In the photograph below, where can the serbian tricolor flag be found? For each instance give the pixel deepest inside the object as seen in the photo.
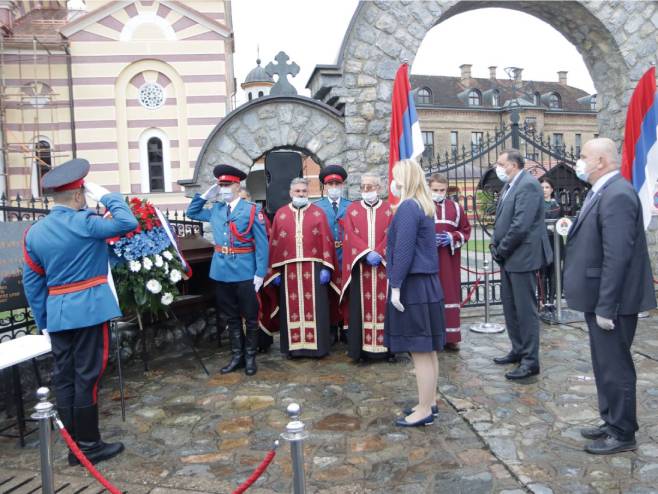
(406, 141)
(639, 163)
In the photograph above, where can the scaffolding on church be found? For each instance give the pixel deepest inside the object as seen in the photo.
(30, 127)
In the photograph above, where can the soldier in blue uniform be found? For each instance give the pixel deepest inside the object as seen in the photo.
(66, 282)
(239, 263)
(334, 205)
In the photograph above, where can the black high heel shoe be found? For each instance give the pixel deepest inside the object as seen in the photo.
(402, 422)
(409, 411)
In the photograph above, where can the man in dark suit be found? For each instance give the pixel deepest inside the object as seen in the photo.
(608, 276)
(520, 246)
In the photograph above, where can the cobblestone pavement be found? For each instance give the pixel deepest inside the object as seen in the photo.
(186, 432)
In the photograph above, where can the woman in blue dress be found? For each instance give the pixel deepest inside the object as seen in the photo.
(415, 320)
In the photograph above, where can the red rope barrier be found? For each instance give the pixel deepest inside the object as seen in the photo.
(257, 473)
(470, 293)
(479, 273)
(83, 459)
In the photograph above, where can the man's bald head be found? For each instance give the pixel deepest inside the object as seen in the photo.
(601, 157)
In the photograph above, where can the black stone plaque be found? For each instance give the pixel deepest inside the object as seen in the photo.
(11, 265)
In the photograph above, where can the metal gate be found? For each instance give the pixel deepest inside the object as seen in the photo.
(474, 184)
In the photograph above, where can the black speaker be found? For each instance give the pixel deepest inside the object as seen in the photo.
(280, 168)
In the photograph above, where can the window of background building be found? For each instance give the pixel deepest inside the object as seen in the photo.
(596, 136)
(476, 142)
(592, 102)
(558, 141)
(531, 124)
(474, 98)
(495, 98)
(428, 141)
(156, 165)
(260, 93)
(249, 96)
(536, 99)
(578, 144)
(42, 165)
(454, 142)
(424, 96)
(554, 101)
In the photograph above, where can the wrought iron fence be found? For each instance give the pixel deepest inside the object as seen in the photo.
(474, 185)
(19, 322)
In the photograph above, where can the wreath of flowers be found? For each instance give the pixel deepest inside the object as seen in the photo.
(147, 267)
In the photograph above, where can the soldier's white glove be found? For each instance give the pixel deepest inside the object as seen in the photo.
(604, 323)
(95, 191)
(258, 282)
(395, 299)
(211, 193)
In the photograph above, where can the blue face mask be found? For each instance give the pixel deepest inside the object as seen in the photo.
(225, 194)
(299, 202)
(500, 173)
(581, 170)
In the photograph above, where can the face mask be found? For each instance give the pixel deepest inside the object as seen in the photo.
(334, 193)
(370, 197)
(226, 194)
(581, 170)
(436, 197)
(395, 189)
(500, 173)
(299, 202)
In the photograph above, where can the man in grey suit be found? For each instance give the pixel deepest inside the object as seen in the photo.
(520, 246)
(607, 275)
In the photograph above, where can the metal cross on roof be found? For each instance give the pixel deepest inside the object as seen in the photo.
(282, 69)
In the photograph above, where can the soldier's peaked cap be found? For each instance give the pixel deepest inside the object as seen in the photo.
(333, 172)
(67, 176)
(228, 173)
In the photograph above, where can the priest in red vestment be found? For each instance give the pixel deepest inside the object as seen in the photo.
(364, 271)
(452, 231)
(303, 264)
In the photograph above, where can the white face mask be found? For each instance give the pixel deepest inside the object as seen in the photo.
(581, 170)
(500, 173)
(226, 194)
(299, 202)
(370, 197)
(334, 193)
(395, 189)
(436, 197)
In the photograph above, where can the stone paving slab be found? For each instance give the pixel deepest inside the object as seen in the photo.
(186, 432)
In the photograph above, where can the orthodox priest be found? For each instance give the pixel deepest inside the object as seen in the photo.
(364, 271)
(334, 204)
(452, 231)
(303, 264)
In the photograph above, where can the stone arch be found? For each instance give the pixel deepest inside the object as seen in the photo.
(617, 41)
(266, 124)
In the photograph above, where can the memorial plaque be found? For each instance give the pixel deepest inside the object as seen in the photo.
(12, 296)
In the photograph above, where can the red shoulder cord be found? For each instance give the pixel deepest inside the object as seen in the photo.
(34, 266)
(242, 236)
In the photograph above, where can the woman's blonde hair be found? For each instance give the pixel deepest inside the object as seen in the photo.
(410, 177)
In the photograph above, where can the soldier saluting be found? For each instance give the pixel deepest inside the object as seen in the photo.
(66, 281)
(239, 263)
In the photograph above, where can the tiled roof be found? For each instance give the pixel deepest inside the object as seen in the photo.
(453, 92)
(42, 23)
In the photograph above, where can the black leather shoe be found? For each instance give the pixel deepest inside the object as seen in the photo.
(594, 432)
(402, 422)
(89, 439)
(609, 445)
(510, 358)
(237, 362)
(521, 372)
(409, 411)
(250, 365)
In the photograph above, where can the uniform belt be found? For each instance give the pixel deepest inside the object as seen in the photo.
(77, 286)
(338, 244)
(224, 249)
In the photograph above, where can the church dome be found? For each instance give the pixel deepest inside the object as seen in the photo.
(258, 74)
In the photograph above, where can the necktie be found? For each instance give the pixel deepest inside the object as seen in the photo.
(335, 206)
(505, 191)
(587, 198)
(228, 212)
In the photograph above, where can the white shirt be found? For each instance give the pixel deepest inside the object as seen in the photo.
(602, 181)
(511, 184)
(234, 203)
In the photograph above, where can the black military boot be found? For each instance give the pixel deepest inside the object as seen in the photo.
(251, 348)
(88, 436)
(237, 359)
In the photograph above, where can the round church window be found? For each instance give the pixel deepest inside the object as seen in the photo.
(151, 95)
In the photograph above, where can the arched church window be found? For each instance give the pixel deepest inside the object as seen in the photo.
(155, 165)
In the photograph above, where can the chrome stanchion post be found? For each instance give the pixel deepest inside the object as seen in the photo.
(486, 326)
(295, 435)
(44, 410)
